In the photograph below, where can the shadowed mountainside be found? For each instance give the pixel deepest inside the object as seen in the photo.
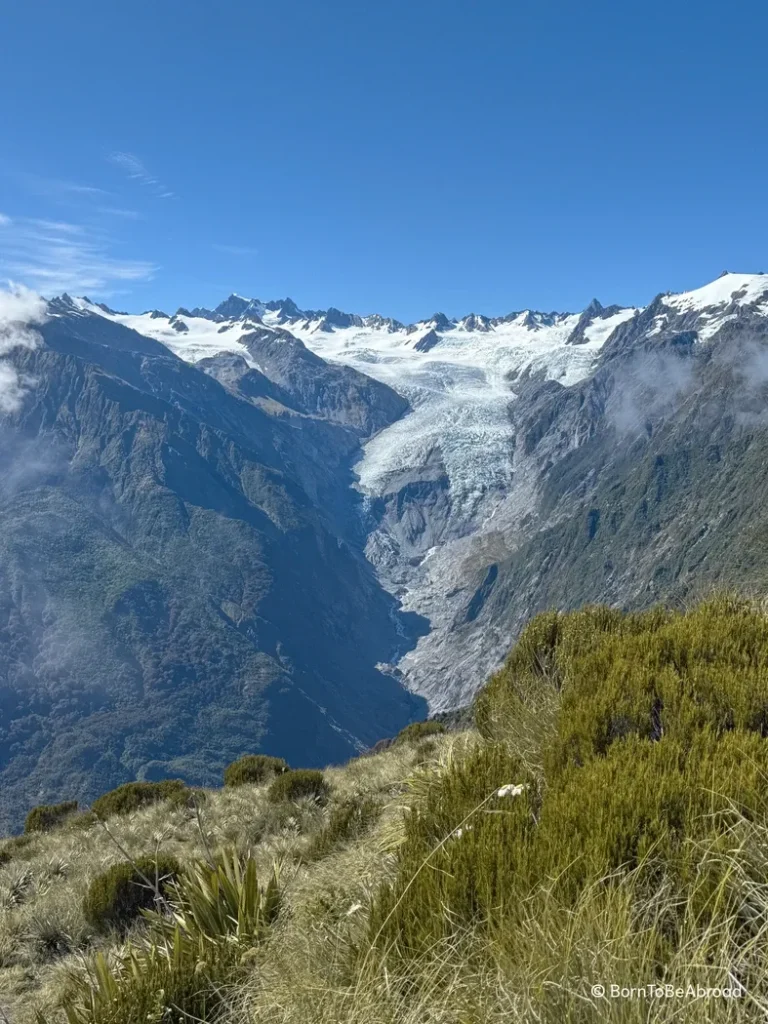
(179, 578)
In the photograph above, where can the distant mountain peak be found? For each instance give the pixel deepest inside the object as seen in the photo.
(285, 306)
(233, 307)
(441, 322)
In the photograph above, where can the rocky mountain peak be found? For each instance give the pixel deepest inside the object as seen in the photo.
(441, 322)
(232, 307)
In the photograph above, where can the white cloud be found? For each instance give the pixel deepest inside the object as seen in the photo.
(40, 185)
(20, 309)
(4, 220)
(136, 171)
(116, 211)
(58, 226)
(19, 305)
(54, 257)
(648, 385)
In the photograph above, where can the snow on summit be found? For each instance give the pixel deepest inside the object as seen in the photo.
(458, 375)
(191, 338)
(718, 302)
(456, 444)
(743, 289)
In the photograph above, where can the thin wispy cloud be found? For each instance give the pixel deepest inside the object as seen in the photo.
(236, 250)
(58, 226)
(54, 257)
(116, 211)
(137, 172)
(41, 185)
(4, 220)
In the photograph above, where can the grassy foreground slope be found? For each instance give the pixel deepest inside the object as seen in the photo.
(605, 823)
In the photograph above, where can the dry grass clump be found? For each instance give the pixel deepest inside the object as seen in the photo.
(607, 825)
(44, 936)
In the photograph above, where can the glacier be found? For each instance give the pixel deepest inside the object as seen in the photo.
(447, 491)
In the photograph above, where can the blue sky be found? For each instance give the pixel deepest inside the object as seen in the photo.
(402, 157)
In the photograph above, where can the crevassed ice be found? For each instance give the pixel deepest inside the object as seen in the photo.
(460, 393)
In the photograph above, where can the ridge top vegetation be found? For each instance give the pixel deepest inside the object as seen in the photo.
(603, 822)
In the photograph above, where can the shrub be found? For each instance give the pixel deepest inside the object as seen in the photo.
(253, 768)
(648, 804)
(186, 964)
(116, 897)
(349, 820)
(646, 736)
(133, 795)
(46, 816)
(81, 821)
(302, 782)
(540, 662)
(446, 877)
(672, 676)
(418, 731)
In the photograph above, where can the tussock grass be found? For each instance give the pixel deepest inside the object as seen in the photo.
(606, 824)
(44, 936)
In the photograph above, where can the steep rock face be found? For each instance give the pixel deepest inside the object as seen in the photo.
(340, 394)
(176, 583)
(645, 482)
(512, 432)
(507, 465)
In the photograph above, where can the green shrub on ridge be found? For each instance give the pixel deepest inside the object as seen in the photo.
(462, 848)
(418, 731)
(253, 768)
(133, 795)
(47, 816)
(298, 784)
(645, 736)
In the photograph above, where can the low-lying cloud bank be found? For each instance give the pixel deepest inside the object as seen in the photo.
(20, 310)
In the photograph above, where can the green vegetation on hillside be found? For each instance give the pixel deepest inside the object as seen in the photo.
(419, 731)
(301, 783)
(605, 823)
(116, 897)
(133, 795)
(47, 816)
(253, 768)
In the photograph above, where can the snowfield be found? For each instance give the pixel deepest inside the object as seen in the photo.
(457, 375)
(459, 391)
(456, 443)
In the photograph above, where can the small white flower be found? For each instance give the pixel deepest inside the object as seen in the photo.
(511, 790)
(460, 831)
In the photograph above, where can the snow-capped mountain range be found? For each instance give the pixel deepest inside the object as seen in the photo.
(261, 528)
(449, 484)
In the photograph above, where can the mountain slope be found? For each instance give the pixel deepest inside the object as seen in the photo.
(495, 497)
(643, 482)
(176, 586)
(280, 519)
